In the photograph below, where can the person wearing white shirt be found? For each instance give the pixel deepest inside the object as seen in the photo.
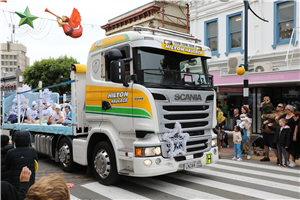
(57, 116)
(31, 114)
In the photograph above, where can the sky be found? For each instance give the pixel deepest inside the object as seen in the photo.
(47, 39)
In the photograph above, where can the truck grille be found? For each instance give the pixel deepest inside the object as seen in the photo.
(187, 125)
(194, 120)
(185, 108)
(194, 115)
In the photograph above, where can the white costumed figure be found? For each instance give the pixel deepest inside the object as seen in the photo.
(14, 108)
(176, 141)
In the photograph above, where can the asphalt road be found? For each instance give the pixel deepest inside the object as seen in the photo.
(249, 179)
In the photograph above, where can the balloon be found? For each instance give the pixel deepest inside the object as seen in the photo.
(240, 70)
(26, 17)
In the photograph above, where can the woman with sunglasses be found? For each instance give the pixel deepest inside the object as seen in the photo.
(289, 116)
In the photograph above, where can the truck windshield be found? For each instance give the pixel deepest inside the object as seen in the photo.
(167, 69)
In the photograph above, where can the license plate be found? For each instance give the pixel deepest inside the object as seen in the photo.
(190, 165)
(208, 158)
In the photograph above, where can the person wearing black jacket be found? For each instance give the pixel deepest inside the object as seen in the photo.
(282, 139)
(9, 192)
(17, 158)
(5, 147)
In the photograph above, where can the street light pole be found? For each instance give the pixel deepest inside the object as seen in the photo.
(245, 65)
(246, 85)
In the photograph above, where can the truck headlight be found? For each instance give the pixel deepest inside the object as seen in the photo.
(214, 142)
(147, 151)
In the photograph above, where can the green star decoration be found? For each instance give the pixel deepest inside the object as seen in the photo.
(26, 17)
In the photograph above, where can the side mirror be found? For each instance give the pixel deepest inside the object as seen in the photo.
(117, 66)
(114, 54)
(117, 71)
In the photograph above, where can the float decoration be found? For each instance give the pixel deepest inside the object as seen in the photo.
(26, 17)
(47, 96)
(176, 141)
(71, 26)
(14, 107)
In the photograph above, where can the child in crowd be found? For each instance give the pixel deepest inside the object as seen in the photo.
(266, 107)
(5, 147)
(282, 139)
(19, 157)
(237, 139)
(52, 186)
(245, 120)
(225, 135)
(31, 114)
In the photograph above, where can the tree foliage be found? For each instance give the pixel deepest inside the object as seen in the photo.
(50, 71)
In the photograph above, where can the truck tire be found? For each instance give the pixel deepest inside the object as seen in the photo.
(104, 164)
(65, 155)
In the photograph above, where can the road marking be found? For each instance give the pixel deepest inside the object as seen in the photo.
(228, 187)
(73, 197)
(173, 189)
(260, 166)
(247, 179)
(112, 192)
(256, 172)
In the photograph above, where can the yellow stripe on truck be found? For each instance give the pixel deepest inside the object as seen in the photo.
(109, 41)
(118, 97)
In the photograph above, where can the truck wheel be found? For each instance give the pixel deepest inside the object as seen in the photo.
(104, 164)
(65, 155)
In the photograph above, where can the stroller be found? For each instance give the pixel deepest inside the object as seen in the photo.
(258, 146)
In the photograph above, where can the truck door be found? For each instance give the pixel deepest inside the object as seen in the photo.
(118, 97)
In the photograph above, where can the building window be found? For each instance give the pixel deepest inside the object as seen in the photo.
(211, 36)
(11, 57)
(234, 36)
(6, 62)
(6, 56)
(6, 69)
(15, 63)
(15, 57)
(11, 69)
(2, 56)
(284, 22)
(11, 63)
(2, 62)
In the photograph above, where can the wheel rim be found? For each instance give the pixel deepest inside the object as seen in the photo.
(102, 163)
(64, 154)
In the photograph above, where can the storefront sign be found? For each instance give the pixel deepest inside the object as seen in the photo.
(272, 77)
(230, 89)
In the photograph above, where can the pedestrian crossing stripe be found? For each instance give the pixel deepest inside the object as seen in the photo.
(193, 183)
(256, 172)
(229, 187)
(182, 192)
(247, 179)
(292, 171)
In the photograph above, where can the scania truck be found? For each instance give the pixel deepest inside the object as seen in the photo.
(144, 105)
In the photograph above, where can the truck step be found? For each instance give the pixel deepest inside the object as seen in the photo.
(126, 172)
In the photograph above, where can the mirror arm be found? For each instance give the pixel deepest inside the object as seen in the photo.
(127, 59)
(125, 84)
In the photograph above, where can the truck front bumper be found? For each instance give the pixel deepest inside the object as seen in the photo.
(160, 165)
